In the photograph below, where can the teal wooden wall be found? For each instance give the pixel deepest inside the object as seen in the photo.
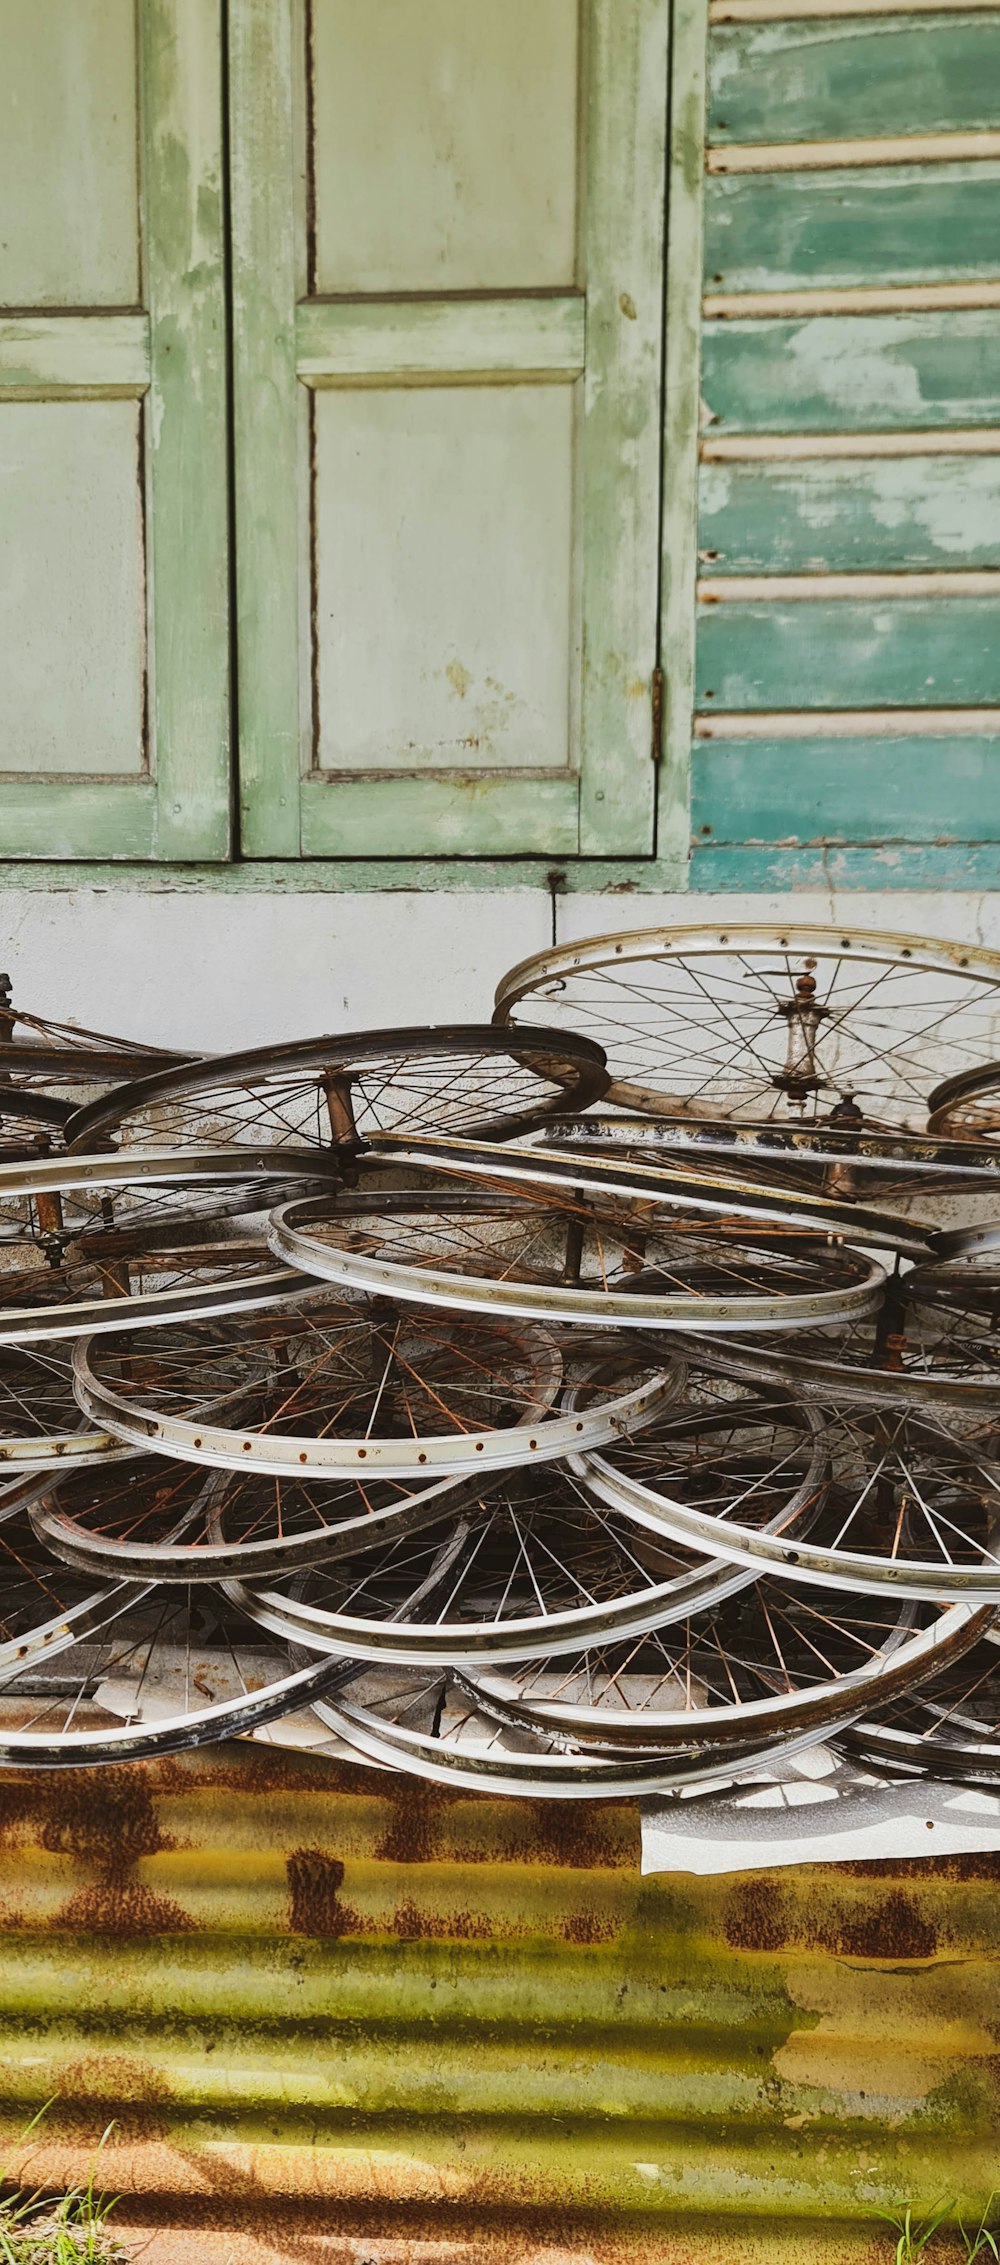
(847, 671)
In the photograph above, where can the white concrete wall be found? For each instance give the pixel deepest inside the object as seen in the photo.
(216, 971)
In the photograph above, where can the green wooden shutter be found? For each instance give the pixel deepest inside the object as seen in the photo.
(114, 660)
(447, 330)
(847, 676)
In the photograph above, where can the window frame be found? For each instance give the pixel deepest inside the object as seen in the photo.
(286, 346)
(169, 356)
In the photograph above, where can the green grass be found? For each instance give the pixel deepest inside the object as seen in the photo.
(72, 2230)
(914, 2235)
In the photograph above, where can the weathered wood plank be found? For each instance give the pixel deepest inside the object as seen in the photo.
(443, 526)
(339, 341)
(439, 817)
(852, 151)
(444, 145)
(106, 356)
(268, 270)
(802, 448)
(837, 653)
(772, 724)
(854, 299)
(741, 870)
(779, 232)
(850, 515)
(790, 82)
(68, 174)
(78, 818)
(811, 791)
(72, 571)
(625, 141)
(853, 373)
(681, 418)
(181, 81)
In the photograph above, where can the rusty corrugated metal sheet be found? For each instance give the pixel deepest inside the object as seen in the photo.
(363, 1994)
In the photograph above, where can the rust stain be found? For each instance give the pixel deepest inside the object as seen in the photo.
(459, 678)
(314, 1883)
(581, 1836)
(585, 1927)
(105, 1817)
(983, 1864)
(892, 1928)
(411, 1835)
(411, 1925)
(117, 1905)
(110, 1821)
(757, 1915)
(760, 1915)
(137, 2093)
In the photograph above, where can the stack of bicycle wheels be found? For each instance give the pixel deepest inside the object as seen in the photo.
(601, 1401)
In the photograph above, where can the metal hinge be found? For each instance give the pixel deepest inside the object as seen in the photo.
(656, 747)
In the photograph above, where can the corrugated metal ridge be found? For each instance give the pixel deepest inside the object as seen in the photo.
(285, 1979)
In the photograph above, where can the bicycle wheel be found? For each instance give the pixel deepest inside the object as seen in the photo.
(949, 1728)
(753, 1201)
(335, 1092)
(967, 1106)
(65, 1053)
(916, 1508)
(173, 1235)
(328, 1384)
(38, 1307)
(767, 1660)
(154, 1671)
(469, 1240)
(41, 1428)
(794, 1156)
(422, 1722)
(534, 1565)
(158, 1521)
(913, 1354)
(754, 1022)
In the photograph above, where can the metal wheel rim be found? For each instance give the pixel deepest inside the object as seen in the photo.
(300, 1619)
(429, 1286)
(574, 1064)
(293, 1453)
(96, 1315)
(58, 1175)
(819, 1707)
(466, 1645)
(746, 1144)
(833, 1383)
(618, 1175)
(595, 953)
(232, 1718)
(542, 1777)
(796, 1558)
(220, 1560)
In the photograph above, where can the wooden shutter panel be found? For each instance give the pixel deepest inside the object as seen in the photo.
(447, 288)
(114, 668)
(847, 678)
